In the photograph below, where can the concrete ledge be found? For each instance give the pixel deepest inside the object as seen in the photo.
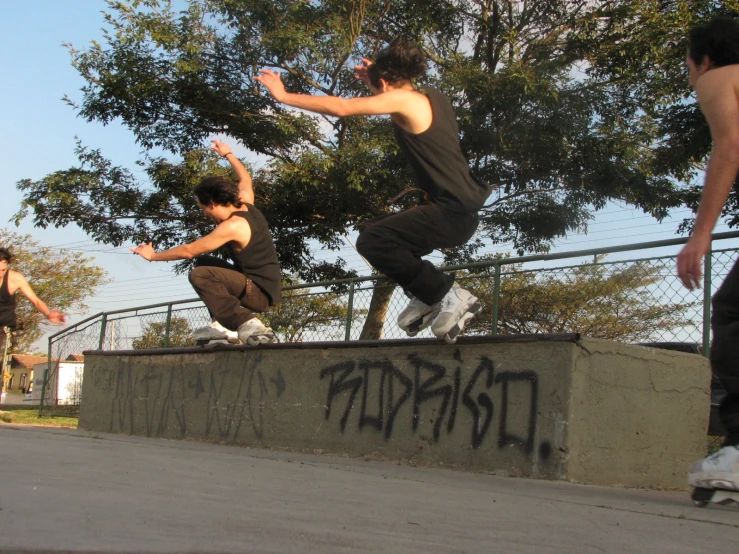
(547, 406)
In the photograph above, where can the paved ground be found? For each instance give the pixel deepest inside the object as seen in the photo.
(68, 490)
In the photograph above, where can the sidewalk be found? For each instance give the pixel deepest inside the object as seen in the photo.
(69, 490)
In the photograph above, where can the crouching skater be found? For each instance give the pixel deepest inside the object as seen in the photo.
(232, 292)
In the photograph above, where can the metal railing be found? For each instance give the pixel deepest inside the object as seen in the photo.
(590, 295)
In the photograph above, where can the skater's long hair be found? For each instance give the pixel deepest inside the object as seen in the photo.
(718, 39)
(5, 255)
(218, 191)
(400, 62)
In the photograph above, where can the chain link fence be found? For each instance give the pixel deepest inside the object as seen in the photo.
(634, 301)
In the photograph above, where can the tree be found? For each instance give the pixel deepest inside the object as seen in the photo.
(59, 277)
(382, 293)
(562, 104)
(636, 51)
(301, 312)
(180, 334)
(590, 299)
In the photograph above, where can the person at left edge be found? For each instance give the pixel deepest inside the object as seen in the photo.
(233, 293)
(13, 282)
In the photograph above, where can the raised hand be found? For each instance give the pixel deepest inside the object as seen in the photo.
(221, 147)
(361, 72)
(273, 81)
(145, 250)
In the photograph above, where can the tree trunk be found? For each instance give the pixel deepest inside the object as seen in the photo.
(379, 304)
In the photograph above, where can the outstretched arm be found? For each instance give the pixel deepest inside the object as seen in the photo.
(52, 315)
(246, 190)
(719, 104)
(226, 231)
(387, 103)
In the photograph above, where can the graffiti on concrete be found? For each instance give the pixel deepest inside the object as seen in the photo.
(233, 398)
(431, 385)
(172, 396)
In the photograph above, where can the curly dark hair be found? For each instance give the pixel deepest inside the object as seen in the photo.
(399, 62)
(5, 255)
(219, 191)
(718, 39)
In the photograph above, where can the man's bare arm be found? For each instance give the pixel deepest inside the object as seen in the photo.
(391, 102)
(22, 285)
(718, 101)
(229, 230)
(246, 190)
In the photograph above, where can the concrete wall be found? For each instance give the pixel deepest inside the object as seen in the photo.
(556, 407)
(639, 416)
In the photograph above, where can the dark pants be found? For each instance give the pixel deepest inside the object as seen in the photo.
(725, 351)
(394, 246)
(229, 295)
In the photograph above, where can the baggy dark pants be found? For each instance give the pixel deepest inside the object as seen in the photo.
(230, 296)
(725, 351)
(394, 246)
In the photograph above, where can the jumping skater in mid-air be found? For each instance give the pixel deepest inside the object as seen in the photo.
(426, 129)
(231, 292)
(713, 65)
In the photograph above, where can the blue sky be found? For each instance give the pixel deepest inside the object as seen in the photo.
(38, 138)
(39, 130)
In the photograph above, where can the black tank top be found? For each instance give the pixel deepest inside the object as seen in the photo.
(258, 260)
(439, 166)
(7, 303)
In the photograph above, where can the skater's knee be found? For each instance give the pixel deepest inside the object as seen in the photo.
(199, 275)
(364, 243)
(371, 241)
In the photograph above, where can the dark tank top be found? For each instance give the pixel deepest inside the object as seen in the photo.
(7, 303)
(258, 260)
(439, 167)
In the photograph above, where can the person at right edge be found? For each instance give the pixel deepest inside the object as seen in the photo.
(426, 130)
(713, 65)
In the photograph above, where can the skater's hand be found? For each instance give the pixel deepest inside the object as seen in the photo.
(273, 81)
(145, 250)
(361, 72)
(222, 148)
(55, 316)
(690, 260)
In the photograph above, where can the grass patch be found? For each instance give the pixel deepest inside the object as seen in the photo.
(29, 416)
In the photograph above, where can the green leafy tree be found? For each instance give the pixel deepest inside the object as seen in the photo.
(635, 52)
(617, 304)
(563, 105)
(180, 334)
(59, 277)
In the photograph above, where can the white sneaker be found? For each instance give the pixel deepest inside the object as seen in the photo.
(214, 331)
(457, 307)
(717, 471)
(417, 316)
(254, 332)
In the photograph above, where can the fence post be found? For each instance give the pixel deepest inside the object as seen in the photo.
(496, 298)
(166, 326)
(707, 268)
(103, 325)
(349, 309)
(43, 384)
